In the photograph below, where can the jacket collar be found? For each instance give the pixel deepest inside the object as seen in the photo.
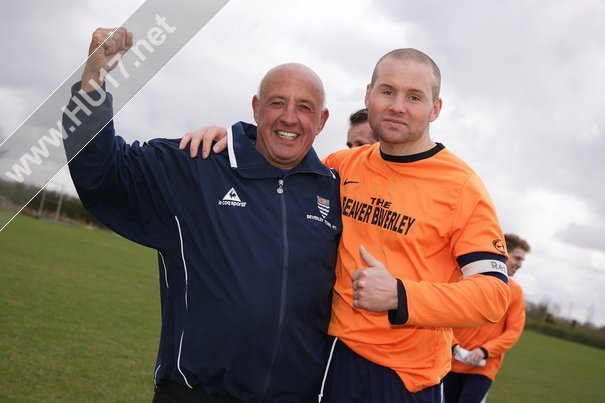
(245, 158)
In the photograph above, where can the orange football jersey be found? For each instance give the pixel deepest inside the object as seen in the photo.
(416, 214)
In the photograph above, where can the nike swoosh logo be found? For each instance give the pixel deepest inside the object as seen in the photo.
(349, 181)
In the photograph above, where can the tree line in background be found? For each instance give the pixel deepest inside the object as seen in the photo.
(47, 204)
(543, 317)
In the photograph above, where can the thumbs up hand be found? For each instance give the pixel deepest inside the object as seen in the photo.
(374, 288)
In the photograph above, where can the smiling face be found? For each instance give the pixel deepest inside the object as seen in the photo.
(401, 105)
(289, 113)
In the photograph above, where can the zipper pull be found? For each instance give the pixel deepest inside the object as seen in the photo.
(280, 189)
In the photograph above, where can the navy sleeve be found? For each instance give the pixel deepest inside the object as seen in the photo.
(122, 185)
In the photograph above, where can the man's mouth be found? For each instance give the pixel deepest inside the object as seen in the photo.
(286, 135)
(395, 121)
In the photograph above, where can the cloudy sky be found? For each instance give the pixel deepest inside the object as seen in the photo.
(523, 89)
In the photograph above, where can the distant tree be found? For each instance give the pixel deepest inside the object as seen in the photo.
(71, 210)
(537, 311)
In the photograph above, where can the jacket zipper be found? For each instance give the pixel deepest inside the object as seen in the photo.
(284, 288)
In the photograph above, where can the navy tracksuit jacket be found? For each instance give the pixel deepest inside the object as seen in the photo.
(246, 255)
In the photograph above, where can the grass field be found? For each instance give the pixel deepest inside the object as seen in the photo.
(80, 315)
(80, 321)
(543, 369)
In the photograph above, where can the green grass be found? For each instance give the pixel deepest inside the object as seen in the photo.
(80, 318)
(5, 216)
(543, 369)
(79, 313)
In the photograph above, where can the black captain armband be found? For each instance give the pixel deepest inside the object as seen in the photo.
(400, 315)
(489, 264)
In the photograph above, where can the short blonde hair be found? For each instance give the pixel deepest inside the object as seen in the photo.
(414, 55)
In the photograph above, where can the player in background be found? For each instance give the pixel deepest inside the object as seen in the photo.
(360, 133)
(478, 352)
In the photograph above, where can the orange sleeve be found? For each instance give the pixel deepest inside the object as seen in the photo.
(334, 160)
(475, 221)
(471, 302)
(514, 324)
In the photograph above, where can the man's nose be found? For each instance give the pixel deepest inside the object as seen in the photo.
(289, 115)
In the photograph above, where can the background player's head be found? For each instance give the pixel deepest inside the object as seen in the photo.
(517, 248)
(360, 133)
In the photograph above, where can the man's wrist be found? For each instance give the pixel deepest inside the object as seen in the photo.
(399, 315)
(88, 78)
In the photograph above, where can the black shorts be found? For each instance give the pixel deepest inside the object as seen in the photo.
(351, 378)
(465, 388)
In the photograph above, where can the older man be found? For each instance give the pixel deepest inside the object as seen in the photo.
(246, 239)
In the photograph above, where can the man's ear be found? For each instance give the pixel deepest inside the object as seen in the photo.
(436, 109)
(367, 97)
(325, 114)
(255, 104)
